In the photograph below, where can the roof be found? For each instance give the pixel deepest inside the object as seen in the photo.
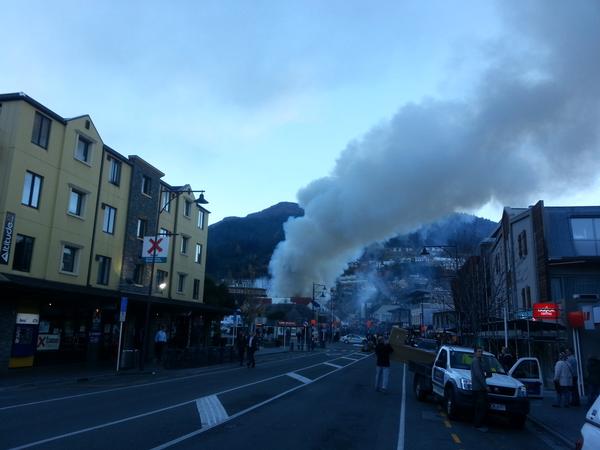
(20, 96)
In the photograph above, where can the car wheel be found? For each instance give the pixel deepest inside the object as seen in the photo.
(450, 403)
(418, 388)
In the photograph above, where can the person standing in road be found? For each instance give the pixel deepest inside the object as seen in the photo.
(506, 359)
(572, 362)
(563, 380)
(593, 370)
(241, 346)
(383, 349)
(480, 388)
(160, 341)
(300, 340)
(252, 347)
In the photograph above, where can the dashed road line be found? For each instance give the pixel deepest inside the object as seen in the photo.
(332, 365)
(211, 411)
(299, 377)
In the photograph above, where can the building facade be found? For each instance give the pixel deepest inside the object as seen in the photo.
(75, 213)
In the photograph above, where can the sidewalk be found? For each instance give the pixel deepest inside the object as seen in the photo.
(563, 423)
(82, 372)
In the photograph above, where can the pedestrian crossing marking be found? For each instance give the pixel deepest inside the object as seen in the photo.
(299, 377)
(333, 365)
(211, 411)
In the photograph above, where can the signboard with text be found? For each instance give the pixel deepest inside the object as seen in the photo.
(546, 311)
(7, 235)
(155, 247)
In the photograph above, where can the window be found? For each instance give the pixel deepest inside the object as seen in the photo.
(146, 185)
(441, 360)
(83, 149)
(23, 253)
(41, 130)
(198, 257)
(200, 219)
(108, 224)
(522, 244)
(76, 202)
(184, 244)
(114, 171)
(528, 298)
(161, 277)
(138, 274)
(70, 259)
(181, 282)
(164, 232)
(103, 269)
(187, 208)
(141, 228)
(165, 201)
(32, 188)
(586, 236)
(196, 291)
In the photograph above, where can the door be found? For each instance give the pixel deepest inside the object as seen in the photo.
(528, 372)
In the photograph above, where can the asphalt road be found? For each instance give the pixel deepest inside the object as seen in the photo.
(321, 400)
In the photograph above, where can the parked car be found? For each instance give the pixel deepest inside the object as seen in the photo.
(353, 339)
(590, 431)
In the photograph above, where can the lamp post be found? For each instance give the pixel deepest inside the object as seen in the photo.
(454, 256)
(316, 305)
(174, 194)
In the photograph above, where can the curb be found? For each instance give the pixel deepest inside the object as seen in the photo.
(556, 434)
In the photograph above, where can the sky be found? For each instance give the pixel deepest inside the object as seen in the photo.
(253, 100)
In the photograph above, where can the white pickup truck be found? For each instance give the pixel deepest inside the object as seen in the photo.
(449, 380)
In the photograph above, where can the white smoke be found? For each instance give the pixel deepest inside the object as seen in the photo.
(531, 127)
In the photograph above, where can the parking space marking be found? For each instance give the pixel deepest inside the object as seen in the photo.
(299, 377)
(332, 365)
(211, 410)
(456, 439)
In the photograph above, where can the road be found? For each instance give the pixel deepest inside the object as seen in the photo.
(303, 401)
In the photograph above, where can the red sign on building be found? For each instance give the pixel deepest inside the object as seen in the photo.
(546, 311)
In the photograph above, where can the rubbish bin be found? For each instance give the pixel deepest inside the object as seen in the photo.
(129, 358)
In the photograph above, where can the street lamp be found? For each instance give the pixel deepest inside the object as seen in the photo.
(316, 305)
(173, 195)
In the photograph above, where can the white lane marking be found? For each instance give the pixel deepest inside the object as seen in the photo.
(127, 419)
(401, 430)
(240, 413)
(299, 377)
(332, 365)
(211, 411)
(351, 359)
(152, 383)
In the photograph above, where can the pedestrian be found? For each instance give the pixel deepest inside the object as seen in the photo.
(506, 359)
(563, 381)
(300, 340)
(252, 347)
(241, 346)
(593, 369)
(479, 388)
(572, 361)
(160, 341)
(383, 349)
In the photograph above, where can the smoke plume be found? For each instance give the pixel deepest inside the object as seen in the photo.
(531, 127)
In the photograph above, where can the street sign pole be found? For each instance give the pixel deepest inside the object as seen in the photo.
(122, 315)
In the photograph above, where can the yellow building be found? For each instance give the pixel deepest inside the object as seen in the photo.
(74, 214)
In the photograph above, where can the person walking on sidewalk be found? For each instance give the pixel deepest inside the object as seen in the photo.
(572, 361)
(563, 381)
(160, 341)
(252, 347)
(383, 349)
(506, 359)
(480, 389)
(241, 346)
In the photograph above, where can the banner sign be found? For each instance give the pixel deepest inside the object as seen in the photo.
(155, 247)
(123, 313)
(546, 311)
(7, 234)
(48, 342)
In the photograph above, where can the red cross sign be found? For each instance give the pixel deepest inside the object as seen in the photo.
(155, 249)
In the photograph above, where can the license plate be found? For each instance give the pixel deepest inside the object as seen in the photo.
(497, 407)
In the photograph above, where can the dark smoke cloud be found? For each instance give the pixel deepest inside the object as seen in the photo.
(531, 127)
